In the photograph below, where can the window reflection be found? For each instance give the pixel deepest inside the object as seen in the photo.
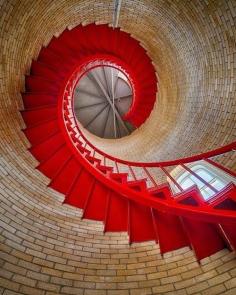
(214, 177)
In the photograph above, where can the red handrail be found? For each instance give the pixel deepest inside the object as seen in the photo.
(72, 132)
(203, 156)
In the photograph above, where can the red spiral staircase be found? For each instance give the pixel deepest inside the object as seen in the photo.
(106, 188)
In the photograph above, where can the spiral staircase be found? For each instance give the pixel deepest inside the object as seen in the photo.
(107, 188)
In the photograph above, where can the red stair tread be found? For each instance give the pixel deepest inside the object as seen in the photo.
(190, 196)
(40, 85)
(80, 191)
(104, 169)
(42, 151)
(76, 41)
(204, 237)
(39, 133)
(161, 192)
(140, 223)
(51, 166)
(62, 48)
(170, 232)
(64, 179)
(39, 115)
(34, 100)
(43, 70)
(117, 213)
(138, 185)
(54, 60)
(229, 234)
(119, 177)
(97, 202)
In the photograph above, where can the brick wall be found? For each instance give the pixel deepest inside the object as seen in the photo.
(45, 247)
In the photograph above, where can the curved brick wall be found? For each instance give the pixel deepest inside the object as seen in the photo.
(45, 247)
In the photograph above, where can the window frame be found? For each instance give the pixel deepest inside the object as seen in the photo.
(180, 175)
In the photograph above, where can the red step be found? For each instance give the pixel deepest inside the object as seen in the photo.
(39, 133)
(116, 213)
(79, 192)
(76, 41)
(34, 100)
(169, 231)
(119, 177)
(161, 191)
(42, 151)
(140, 223)
(65, 176)
(55, 61)
(190, 196)
(43, 70)
(204, 237)
(228, 232)
(39, 115)
(92, 159)
(37, 84)
(51, 166)
(104, 169)
(138, 185)
(95, 207)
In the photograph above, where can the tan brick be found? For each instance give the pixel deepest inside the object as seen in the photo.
(23, 280)
(231, 283)
(5, 283)
(49, 287)
(52, 272)
(70, 290)
(38, 276)
(141, 291)
(184, 283)
(14, 268)
(163, 289)
(117, 292)
(219, 289)
(197, 288)
(219, 279)
(30, 291)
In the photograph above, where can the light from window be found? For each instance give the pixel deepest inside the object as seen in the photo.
(214, 178)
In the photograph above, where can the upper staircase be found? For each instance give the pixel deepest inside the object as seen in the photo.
(106, 188)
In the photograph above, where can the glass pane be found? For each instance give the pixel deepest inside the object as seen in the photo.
(206, 193)
(204, 174)
(218, 184)
(198, 182)
(186, 183)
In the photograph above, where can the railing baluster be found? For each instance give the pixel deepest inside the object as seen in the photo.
(104, 160)
(172, 179)
(132, 172)
(116, 167)
(199, 178)
(150, 176)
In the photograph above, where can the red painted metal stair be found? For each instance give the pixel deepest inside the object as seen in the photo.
(103, 192)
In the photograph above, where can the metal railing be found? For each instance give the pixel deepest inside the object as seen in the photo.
(155, 173)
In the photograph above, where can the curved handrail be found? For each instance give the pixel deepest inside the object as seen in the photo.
(74, 127)
(185, 160)
(202, 156)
